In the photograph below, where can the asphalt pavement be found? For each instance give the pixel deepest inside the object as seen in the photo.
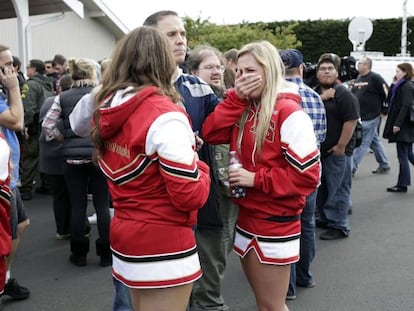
(372, 270)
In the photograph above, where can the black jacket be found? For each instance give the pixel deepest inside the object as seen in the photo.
(399, 115)
(34, 93)
(74, 146)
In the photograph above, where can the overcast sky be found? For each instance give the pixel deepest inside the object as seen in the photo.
(132, 12)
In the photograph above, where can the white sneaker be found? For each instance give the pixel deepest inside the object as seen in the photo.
(92, 219)
(64, 236)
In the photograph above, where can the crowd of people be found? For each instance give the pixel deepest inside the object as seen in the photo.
(148, 131)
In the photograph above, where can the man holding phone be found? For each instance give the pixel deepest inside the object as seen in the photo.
(11, 120)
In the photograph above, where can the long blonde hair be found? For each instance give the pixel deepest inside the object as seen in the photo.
(268, 57)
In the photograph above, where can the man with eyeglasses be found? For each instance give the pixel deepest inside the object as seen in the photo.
(371, 91)
(342, 113)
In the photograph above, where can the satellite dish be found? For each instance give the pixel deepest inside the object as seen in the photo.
(359, 31)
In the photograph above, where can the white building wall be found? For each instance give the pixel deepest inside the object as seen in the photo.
(70, 36)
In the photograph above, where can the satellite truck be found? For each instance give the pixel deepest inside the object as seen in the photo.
(360, 30)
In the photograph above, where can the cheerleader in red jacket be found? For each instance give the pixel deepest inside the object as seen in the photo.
(275, 142)
(5, 231)
(146, 149)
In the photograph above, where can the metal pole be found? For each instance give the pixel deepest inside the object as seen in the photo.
(404, 30)
(21, 8)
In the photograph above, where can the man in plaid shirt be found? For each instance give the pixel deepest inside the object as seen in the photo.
(313, 105)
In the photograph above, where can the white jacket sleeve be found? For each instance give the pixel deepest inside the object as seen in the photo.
(81, 116)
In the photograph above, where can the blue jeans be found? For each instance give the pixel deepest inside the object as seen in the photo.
(122, 299)
(300, 273)
(370, 139)
(405, 155)
(334, 193)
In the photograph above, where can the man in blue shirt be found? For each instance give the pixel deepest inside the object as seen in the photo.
(11, 120)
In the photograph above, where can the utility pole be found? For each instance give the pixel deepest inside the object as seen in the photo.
(404, 30)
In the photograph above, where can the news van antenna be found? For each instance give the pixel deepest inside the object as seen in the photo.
(359, 31)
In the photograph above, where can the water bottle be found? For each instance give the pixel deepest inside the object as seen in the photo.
(234, 163)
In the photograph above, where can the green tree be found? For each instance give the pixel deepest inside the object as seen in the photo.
(323, 36)
(225, 37)
(311, 37)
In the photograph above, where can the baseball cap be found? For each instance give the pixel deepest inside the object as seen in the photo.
(291, 58)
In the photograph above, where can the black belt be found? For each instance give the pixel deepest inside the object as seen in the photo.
(283, 218)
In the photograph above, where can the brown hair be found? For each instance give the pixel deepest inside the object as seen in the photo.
(59, 59)
(408, 69)
(231, 55)
(141, 58)
(329, 58)
(154, 18)
(199, 53)
(3, 48)
(229, 77)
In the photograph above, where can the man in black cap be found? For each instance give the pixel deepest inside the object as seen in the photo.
(342, 113)
(312, 104)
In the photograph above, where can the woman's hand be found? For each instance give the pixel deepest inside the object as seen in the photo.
(395, 129)
(247, 83)
(199, 142)
(196, 157)
(241, 177)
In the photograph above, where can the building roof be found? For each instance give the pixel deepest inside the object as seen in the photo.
(95, 9)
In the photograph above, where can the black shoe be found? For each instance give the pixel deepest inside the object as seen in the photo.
(350, 210)
(397, 189)
(26, 196)
(42, 190)
(105, 261)
(333, 234)
(320, 224)
(382, 170)
(103, 249)
(16, 291)
(78, 260)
